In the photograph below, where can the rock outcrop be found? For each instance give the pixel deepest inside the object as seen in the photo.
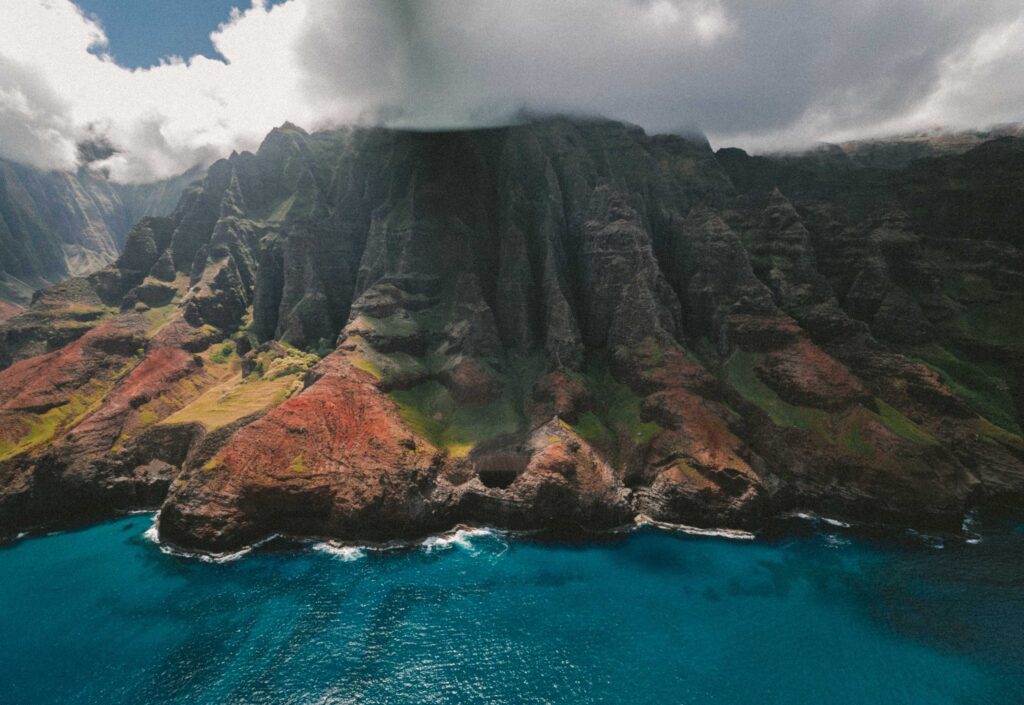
(369, 334)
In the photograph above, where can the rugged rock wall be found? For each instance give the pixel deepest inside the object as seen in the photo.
(372, 334)
(54, 224)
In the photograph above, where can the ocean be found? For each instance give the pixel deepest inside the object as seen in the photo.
(103, 615)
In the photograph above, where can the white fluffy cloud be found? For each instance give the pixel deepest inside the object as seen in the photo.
(59, 88)
(759, 75)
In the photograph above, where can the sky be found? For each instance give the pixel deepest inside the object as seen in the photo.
(141, 32)
(168, 85)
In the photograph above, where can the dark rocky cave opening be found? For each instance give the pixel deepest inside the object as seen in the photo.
(500, 469)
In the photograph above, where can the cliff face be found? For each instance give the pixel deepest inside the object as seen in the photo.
(372, 334)
(55, 224)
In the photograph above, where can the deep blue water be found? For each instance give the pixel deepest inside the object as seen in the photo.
(102, 616)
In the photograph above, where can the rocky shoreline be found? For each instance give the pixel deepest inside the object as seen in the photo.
(781, 527)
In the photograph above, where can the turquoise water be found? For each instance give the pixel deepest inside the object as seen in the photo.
(101, 615)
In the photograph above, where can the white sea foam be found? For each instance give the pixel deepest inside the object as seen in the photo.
(461, 536)
(927, 539)
(345, 553)
(220, 557)
(970, 528)
(737, 534)
(812, 517)
(836, 541)
(153, 534)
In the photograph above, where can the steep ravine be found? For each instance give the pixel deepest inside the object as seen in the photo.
(59, 224)
(370, 334)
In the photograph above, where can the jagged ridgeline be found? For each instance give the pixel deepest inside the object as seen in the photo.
(55, 224)
(374, 334)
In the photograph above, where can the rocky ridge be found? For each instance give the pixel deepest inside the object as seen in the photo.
(369, 334)
(57, 224)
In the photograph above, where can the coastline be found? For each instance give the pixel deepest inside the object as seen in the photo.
(789, 525)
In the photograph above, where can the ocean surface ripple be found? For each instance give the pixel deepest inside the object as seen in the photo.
(654, 615)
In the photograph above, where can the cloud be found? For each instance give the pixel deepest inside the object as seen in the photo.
(34, 120)
(758, 75)
(161, 120)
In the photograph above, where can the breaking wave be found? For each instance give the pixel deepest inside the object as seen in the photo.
(344, 553)
(460, 536)
(736, 534)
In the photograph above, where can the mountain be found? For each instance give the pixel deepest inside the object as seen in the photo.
(900, 150)
(56, 224)
(372, 334)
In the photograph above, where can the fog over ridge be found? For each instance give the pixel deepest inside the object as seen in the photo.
(755, 75)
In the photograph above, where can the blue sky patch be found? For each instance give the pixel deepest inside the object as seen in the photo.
(141, 32)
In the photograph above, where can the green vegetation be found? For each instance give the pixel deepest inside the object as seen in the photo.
(618, 403)
(994, 433)
(690, 472)
(996, 322)
(429, 409)
(223, 354)
(321, 348)
(903, 427)
(281, 212)
(82, 312)
(298, 465)
(616, 416)
(42, 428)
(523, 373)
(281, 360)
(852, 441)
(592, 429)
(704, 352)
(235, 399)
(367, 365)
(398, 366)
(405, 325)
(981, 386)
(157, 318)
(391, 327)
(741, 375)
